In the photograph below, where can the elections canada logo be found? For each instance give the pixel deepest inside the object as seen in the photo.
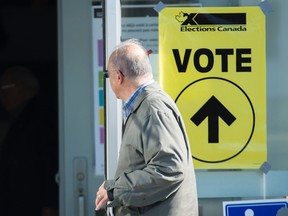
(211, 22)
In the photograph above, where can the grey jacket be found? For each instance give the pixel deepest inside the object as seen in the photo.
(155, 174)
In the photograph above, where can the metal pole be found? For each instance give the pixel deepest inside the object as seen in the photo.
(113, 106)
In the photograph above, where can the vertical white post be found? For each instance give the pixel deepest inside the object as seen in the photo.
(113, 105)
(264, 183)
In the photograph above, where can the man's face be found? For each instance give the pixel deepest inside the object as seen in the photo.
(12, 94)
(8, 93)
(113, 79)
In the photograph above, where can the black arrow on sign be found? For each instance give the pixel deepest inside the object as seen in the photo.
(213, 109)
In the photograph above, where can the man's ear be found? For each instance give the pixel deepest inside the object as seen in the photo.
(120, 76)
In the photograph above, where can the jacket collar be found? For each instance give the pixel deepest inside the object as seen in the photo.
(147, 91)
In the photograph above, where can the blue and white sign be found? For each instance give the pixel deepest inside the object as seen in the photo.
(271, 207)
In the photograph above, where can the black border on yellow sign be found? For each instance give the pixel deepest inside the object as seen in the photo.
(253, 114)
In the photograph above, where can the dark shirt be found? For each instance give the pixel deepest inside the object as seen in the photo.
(29, 163)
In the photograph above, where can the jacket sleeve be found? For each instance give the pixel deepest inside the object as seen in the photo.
(164, 149)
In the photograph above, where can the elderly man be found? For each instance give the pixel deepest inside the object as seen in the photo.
(155, 174)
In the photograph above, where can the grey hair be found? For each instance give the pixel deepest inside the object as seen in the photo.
(132, 59)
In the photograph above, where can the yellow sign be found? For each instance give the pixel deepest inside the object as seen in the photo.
(212, 63)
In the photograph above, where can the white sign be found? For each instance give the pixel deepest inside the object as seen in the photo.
(270, 207)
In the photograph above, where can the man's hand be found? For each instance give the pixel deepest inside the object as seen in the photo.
(101, 197)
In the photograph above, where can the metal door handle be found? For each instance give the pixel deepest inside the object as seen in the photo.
(80, 185)
(81, 205)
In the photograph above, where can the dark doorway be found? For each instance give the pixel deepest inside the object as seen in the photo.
(28, 38)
